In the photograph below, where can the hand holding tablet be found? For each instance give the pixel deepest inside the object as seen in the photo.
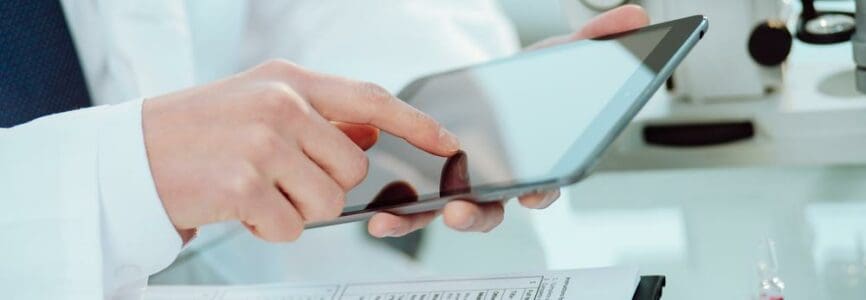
(533, 122)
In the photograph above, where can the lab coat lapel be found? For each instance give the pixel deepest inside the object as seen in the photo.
(154, 37)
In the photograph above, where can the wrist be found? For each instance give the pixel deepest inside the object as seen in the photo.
(137, 228)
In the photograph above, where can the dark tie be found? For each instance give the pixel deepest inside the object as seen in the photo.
(39, 69)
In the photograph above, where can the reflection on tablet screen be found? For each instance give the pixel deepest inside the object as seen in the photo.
(516, 119)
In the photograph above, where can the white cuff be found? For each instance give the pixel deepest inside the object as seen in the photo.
(138, 237)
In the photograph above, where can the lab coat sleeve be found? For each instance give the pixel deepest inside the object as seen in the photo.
(79, 211)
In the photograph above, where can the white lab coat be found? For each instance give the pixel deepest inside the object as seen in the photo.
(79, 213)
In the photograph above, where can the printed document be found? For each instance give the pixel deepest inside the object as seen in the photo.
(596, 284)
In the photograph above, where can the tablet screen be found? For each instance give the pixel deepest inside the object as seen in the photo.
(521, 119)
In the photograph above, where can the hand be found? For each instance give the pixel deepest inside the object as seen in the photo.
(274, 147)
(469, 216)
(454, 181)
(620, 19)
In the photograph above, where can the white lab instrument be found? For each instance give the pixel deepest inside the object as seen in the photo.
(738, 21)
(750, 94)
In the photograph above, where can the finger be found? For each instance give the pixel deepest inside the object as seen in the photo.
(620, 19)
(364, 136)
(329, 147)
(390, 225)
(272, 218)
(334, 152)
(539, 200)
(344, 100)
(549, 42)
(455, 175)
(623, 18)
(315, 195)
(385, 224)
(394, 193)
(468, 216)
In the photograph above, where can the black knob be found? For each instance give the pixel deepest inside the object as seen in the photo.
(770, 43)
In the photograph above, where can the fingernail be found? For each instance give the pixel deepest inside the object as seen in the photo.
(552, 196)
(468, 223)
(393, 232)
(448, 139)
(549, 198)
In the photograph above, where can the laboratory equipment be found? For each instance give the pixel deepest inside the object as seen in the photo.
(757, 23)
(771, 285)
(749, 95)
(859, 45)
(824, 27)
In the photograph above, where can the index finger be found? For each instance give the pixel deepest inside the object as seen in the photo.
(345, 100)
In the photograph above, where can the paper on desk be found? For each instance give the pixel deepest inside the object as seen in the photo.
(595, 284)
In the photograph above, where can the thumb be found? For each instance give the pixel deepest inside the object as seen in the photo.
(620, 19)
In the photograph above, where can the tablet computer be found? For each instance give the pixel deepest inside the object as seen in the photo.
(531, 122)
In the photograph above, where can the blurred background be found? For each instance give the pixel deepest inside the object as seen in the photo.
(748, 168)
(701, 213)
